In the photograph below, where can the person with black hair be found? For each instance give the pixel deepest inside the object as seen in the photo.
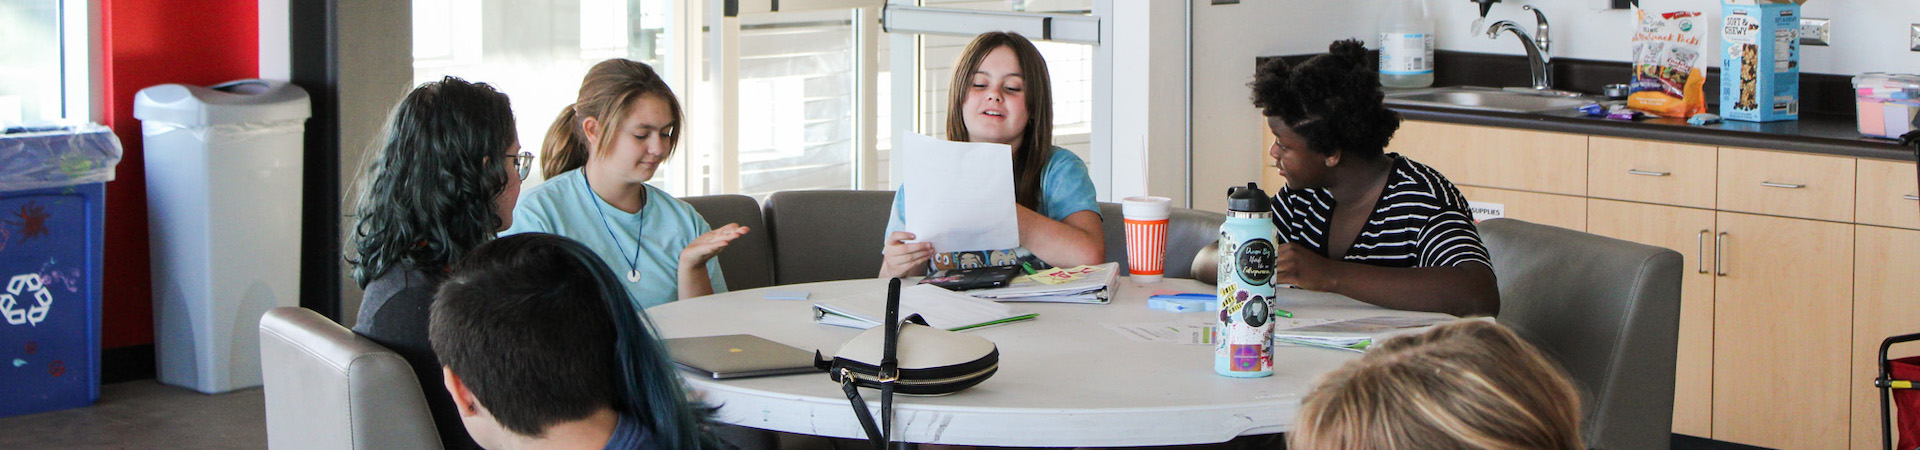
(1358, 221)
(444, 182)
(542, 349)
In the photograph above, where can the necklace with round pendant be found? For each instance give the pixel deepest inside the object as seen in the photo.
(633, 265)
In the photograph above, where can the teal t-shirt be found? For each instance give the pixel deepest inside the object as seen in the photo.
(564, 206)
(1065, 188)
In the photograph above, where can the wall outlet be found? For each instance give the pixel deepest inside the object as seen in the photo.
(1913, 39)
(1816, 31)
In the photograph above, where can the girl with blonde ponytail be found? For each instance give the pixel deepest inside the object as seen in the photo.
(599, 155)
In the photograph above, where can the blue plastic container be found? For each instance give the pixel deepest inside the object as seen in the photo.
(50, 252)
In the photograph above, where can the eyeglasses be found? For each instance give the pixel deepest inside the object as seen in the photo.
(522, 163)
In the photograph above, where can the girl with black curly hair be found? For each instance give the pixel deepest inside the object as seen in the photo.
(444, 182)
(1360, 222)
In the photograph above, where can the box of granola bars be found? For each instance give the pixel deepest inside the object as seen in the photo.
(1760, 60)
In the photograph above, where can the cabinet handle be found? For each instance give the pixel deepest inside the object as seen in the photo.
(1648, 173)
(1910, 197)
(1719, 249)
(1700, 248)
(1782, 185)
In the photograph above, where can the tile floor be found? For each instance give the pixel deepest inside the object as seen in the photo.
(146, 414)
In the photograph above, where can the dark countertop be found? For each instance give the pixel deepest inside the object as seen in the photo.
(1826, 124)
(1828, 135)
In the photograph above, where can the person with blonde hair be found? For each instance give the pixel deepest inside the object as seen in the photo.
(1001, 93)
(1470, 384)
(599, 155)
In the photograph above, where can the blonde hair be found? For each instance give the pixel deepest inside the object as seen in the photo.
(1036, 146)
(609, 89)
(1470, 384)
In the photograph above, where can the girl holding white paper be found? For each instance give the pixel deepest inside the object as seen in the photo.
(1001, 94)
(598, 156)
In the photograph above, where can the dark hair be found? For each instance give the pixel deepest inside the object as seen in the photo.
(542, 333)
(1036, 145)
(1332, 100)
(605, 94)
(427, 196)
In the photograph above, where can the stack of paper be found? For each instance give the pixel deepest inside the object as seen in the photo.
(1097, 286)
(941, 308)
(1353, 335)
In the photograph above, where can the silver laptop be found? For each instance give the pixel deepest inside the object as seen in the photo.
(738, 356)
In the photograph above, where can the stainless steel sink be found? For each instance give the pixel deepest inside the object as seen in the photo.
(1518, 100)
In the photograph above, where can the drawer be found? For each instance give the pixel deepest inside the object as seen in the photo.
(1651, 171)
(1888, 195)
(1786, 184)
(1504, 158)
(1564, 211)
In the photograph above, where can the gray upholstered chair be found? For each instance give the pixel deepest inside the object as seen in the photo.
(1608, 310)
(748, 261)
(1188, 231)
(327, 388)
(827, 235)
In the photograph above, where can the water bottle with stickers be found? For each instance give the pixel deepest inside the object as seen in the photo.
(1243, 336)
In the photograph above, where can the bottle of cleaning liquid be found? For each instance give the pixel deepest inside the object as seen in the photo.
(1406, 44)
(1243, 332)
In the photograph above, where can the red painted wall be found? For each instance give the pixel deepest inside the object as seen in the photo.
(150, 42)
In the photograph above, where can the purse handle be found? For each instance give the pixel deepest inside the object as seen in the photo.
(880, 434)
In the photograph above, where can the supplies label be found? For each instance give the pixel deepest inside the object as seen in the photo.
(1406, 53)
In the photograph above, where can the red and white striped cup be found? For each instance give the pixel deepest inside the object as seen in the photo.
(1146, 219)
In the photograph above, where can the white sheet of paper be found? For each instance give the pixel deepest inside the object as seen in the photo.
(959, 194)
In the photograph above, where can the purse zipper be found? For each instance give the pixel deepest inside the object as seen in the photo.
(903, 382)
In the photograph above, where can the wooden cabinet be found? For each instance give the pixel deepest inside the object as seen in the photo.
(1651, 171)
(1885, 293)
(1564, 211)
(1786, 184)
(1534, 161)
(1888, 195)
(1818, 255)
(1689, 231)
(1782, 313)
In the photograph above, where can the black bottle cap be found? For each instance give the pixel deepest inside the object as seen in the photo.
(1247, 198)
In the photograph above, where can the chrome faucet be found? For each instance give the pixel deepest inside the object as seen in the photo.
(1539, 48)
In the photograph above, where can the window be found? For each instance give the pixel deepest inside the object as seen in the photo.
(537, 53)
(43, 61)
(801, 98)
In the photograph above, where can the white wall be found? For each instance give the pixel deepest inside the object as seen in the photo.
(1227, 38)
(376, 68)
(1149, 76)
(1869, 36)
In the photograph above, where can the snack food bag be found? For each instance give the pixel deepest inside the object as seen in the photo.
(1667, 73)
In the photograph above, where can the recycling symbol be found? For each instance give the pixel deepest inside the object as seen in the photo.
(21, 289)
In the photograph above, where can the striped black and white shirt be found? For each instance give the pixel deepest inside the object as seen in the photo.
(1421, 220)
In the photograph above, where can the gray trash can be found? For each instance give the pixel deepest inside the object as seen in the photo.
(223, 204)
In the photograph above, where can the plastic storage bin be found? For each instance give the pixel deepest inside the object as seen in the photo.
(51, 204)
(1886, 103)
(223, 198)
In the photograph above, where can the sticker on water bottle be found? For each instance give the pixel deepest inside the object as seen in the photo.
(1255, 261)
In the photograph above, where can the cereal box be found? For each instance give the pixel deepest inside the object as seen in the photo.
(1760, 61)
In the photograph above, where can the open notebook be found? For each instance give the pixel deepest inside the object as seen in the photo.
(1095, 286)
(942, 308)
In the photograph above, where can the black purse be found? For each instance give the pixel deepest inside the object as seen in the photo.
(936, 362)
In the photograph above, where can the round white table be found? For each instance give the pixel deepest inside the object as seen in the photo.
(1064, 380)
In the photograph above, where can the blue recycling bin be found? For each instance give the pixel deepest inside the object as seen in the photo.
(52, 193)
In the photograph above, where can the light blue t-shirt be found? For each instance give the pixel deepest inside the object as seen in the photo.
(1065, 188)
(563, 205)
